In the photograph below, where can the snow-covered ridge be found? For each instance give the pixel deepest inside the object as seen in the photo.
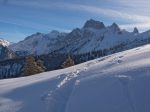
(38, 43)
(4, 42)
(115, 83)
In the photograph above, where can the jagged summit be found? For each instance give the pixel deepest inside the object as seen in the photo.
(135, 30)
(94, 24)
(52, 34)
(34, 35)
(75, 31)
(115, 27)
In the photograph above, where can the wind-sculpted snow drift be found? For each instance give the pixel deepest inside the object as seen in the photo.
(115, 83)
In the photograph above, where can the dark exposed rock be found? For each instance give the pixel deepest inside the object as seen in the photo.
(135, 30)
(94, 24)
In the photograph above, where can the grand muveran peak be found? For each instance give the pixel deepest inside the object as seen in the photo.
(115, 27)
(135, 30)
(94, 24)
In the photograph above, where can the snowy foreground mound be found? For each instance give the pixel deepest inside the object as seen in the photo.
(116, 83)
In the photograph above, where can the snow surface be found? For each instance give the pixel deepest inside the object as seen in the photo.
(115, 83)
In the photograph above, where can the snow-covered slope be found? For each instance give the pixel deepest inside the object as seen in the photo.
(115, 83)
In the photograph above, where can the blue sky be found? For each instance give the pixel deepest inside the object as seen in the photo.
(20, 18)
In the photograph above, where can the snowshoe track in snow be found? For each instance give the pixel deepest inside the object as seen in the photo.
(57, 99)
(124, 80)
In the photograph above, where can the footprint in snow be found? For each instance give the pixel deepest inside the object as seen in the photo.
(137, 49)
(77, 82)
(102, 59)
(89, 64)
(121, 56)
(119, 61)
(85, 68)
(124, 79)
(46, 95)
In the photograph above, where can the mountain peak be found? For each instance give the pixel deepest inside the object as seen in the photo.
(135, 30)
(115, 27)
(54, 31)
(34, 35)
(94, 24)
(53, 34)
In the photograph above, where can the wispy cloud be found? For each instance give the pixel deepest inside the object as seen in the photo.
(23, 24)
(89, 8)
(138, 20)
(13, 36)
(134, 3)
(129, 11)
(31, 25)
(114, 13)
(142, 26)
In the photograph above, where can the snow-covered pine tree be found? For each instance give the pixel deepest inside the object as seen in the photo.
(69, 62)
(31, 67)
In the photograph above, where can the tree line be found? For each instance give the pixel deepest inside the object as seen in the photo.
(56, 60)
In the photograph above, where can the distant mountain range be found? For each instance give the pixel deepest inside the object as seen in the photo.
(94, 35)
(91, 41)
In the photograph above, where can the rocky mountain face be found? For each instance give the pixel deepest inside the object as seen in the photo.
(135, 30)
(94, 24)
(5, 52)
